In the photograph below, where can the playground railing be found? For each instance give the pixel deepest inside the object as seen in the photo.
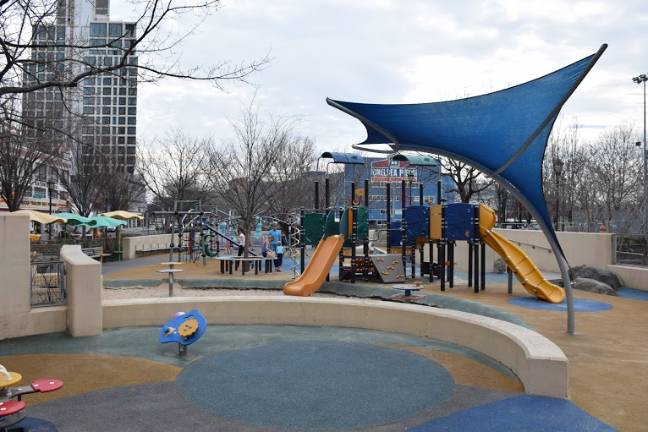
(631, 249)
(47, 283)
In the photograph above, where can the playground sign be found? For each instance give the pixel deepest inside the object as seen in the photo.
(392, 171)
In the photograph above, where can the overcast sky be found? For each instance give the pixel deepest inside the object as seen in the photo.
(395, 51)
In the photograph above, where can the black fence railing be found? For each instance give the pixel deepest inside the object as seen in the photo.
(632, 249)
(47, 283)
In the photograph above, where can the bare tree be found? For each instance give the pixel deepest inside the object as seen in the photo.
(121, 190)
(614, 167)
(468, 181)
(291, 183)
(243, 172)
(172, 168)
(28, 27)
(83, 180)
(599, 181)
(25, 157)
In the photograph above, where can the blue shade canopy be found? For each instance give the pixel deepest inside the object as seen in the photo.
(343, 158)
(504, 133)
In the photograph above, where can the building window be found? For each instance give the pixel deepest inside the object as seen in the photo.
(115, 30)
(98, 29)
(130, 30)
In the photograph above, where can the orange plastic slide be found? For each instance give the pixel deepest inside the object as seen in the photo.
(526, 271)
(319, 266)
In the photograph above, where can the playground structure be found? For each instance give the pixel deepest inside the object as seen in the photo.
(184, 328)
(421, 228)
(343, 231)
(12, 407)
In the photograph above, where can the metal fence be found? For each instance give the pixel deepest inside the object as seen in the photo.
(632, 249)
(47, 283)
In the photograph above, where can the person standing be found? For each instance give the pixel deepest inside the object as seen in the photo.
(276, 245)
(241, 246)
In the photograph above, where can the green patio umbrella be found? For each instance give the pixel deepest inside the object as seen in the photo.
(106, 222)
(75, 219)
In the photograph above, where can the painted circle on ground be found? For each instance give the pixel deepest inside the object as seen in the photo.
(314, 384)
(580, 305)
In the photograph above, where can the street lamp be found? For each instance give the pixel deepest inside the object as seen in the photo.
(557, 167)
(50, 186)
(641, 79)
(410, 176)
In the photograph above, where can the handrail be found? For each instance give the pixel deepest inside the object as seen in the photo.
(232, 241)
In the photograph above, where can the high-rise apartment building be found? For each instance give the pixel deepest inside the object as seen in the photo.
(101, 113)
(110, 101)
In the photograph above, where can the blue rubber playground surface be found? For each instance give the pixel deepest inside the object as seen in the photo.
(632, 293)
(580, 305)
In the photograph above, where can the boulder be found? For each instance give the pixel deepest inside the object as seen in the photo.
(499, 266)
(601, 275)
(593, 285)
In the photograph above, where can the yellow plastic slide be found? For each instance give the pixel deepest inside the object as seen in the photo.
(526, 271)
(319, 266)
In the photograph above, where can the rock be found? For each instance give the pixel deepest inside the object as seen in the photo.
(594, 286)
(601, 275)
(499, 266)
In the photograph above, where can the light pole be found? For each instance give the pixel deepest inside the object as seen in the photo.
(557, 167)
(410, 177)
(50, 186)
(641, 79)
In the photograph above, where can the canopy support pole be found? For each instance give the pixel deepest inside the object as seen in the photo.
(555, 248)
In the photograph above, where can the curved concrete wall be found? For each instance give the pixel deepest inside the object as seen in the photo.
(540, 364)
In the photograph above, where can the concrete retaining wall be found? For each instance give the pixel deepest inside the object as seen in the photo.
(538, 362)
(593, 249)
(132, 245)
(632, 276)
(17, 318)
(83, 288)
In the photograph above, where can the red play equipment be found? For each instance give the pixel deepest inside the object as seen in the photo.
(12, 408)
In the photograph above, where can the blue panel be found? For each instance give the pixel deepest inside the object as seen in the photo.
(395, 234)
(459, 221)
(503, 133)
(417, 222)
(169, 331)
